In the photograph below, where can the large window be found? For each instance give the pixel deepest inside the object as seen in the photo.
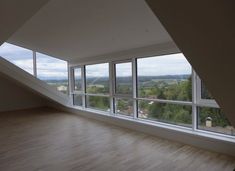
(78, 86)
(19, 56)
(213, 119)
(97, 86)
(165, 112)
(53, 71)
(161, 89)
(123, 88)
(167, 78)
(97, 79)
(123, 81)
(78, 79)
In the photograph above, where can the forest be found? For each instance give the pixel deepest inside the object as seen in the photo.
(177, 88)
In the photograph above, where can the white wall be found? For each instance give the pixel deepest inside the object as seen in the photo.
(14, 96)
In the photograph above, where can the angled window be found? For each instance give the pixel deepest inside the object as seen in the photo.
(53, 71)
(124, 106)
(21, 57)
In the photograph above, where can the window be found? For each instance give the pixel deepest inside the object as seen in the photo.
(213, 119)
(78, 89)
(205, 94)
(19, 56)
(165, 112)
(123, 89)
(156, 89)
(97, 79)
(77, 99)
(98, 102)
(164, 77)
(210, 116)
(124, 106)
(78, 79)
(123, 81)
(53, 71)
(97, 86)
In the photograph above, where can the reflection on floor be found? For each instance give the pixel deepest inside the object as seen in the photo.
(45, 139)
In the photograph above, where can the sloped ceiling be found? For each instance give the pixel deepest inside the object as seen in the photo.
(205, 32)
(14, 13)
(74, 29)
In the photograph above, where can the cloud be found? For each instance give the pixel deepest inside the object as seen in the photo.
(49, 67)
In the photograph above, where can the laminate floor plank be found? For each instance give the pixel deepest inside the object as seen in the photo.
(49, 140)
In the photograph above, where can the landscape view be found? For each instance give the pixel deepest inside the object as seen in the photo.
(165, 87)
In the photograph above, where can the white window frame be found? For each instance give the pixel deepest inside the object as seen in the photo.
(73, 91)
(196, 101)
(118, 95)
(200, 101)
(97, 94)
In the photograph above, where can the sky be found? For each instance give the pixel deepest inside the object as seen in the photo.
(49, 67)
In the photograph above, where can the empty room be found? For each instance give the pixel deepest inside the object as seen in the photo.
(117, 85)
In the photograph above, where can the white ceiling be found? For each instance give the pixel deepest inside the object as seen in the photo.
(75, 29)
(14, 13)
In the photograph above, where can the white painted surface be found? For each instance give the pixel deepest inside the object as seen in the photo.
(15, 97)
(33, 83)
(75, 29)
(14, 13)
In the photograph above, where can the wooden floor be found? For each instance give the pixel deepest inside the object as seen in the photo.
(56, 141)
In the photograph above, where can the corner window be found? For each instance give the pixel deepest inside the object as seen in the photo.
(21, 57)
(53, 71)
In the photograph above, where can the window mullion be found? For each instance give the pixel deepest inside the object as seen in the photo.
(194, 101)
(111, 87)
(83, 86)
(134, 84)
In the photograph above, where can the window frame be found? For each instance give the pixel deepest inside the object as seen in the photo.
(200, 101)
(194, 103)
(119, 96)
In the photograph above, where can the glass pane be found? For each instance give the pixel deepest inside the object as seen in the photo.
(213, 119)
(77, 79)
(164, 112)
(97, 79)
(123, 78)
(53, 71)
(205, 94)
(19, 56)
(124, 106)
(77, 100)
(165, 77)
(98, 102)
